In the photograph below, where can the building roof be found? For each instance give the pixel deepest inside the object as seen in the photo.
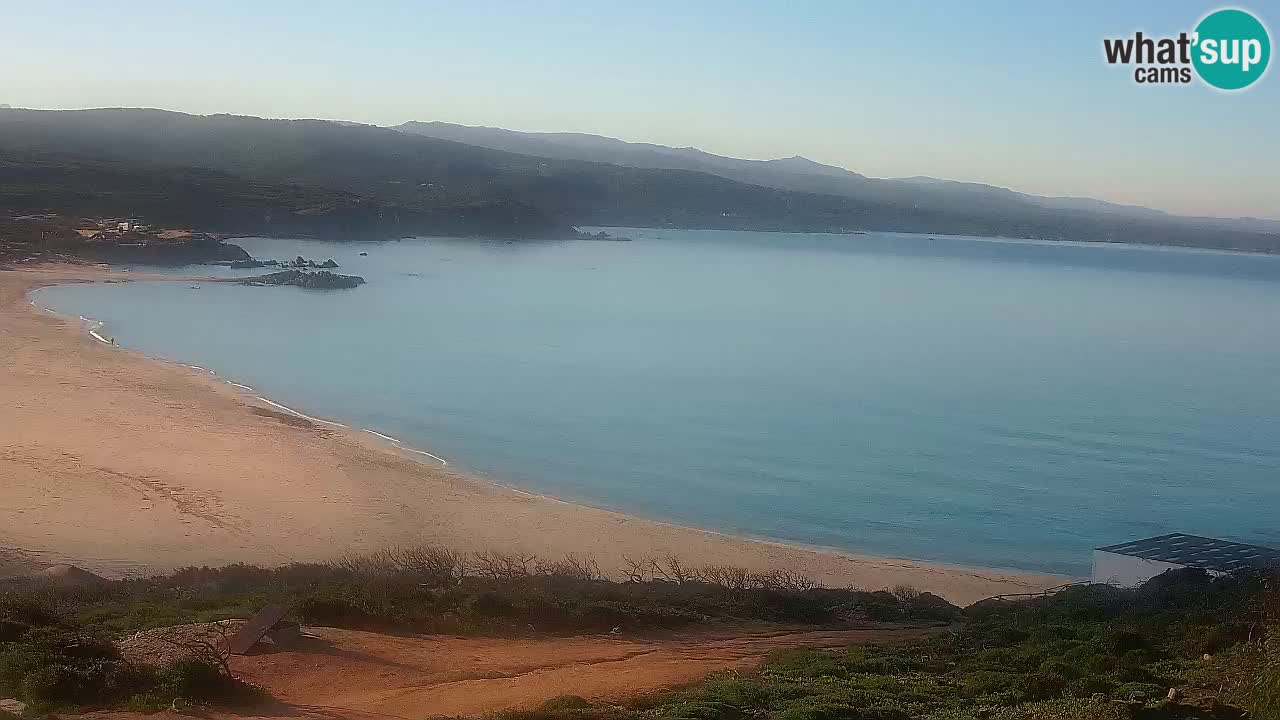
(1200, 552)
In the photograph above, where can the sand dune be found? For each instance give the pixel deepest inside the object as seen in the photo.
(126, 465)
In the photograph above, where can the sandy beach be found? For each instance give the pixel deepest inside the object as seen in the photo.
(126, 465)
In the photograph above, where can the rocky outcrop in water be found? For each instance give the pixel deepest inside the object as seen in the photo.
(602, 235)
(243, 264)
(322, 280)
(301, 262)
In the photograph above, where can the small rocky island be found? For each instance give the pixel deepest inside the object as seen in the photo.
(322, 280)
(602, 235)
(298, 262)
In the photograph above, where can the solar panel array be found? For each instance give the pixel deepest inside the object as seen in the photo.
(1200, 552)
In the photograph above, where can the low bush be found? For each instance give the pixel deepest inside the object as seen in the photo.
(566, 702)
(432, 589)
(48, 661)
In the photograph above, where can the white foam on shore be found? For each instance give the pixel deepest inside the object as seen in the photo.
(295, 413)
(402, 446)
(424, 452)
(95, 325)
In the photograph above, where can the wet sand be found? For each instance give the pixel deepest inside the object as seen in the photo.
(127, 465)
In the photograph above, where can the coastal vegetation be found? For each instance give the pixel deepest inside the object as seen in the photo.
(436, 590)
(1183, 646)
(50, 661)
(57, 643)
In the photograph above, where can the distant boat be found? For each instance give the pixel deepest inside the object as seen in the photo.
(363, 254)
(194, 287)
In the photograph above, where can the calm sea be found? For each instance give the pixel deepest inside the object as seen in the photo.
(955, 399)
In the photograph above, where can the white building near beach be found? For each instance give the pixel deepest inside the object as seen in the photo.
(1133, 563)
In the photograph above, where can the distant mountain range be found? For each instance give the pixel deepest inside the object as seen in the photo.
(226, 173)
(799, 173)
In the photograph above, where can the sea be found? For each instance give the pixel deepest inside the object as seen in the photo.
(975, 401)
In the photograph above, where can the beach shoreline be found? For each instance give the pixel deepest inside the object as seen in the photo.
(128, 465)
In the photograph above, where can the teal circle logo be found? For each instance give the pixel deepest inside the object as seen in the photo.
(1232, 49)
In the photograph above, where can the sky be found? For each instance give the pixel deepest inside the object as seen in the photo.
(1015, 94)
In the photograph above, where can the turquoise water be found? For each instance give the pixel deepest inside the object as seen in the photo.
(962, 400)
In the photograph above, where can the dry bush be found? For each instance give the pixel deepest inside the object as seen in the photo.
(668, 568)
(573, 566)
(786, 580)
(436, 565)
(426, 564)
(497, 565)
(673, 570)
(906, 594)
(379, 563)
(208, 643)
(728, 576)
(637, 570)
(734, 577)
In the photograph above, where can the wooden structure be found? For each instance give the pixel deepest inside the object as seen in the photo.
(267, 622)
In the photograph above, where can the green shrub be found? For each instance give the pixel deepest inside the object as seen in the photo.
(743, 692)
(1043, 685)
(1139, 692)
(1085, 660)
(839, 711)
(1121, 641)
(701, 710)
(978, 683)
(53, 666)
(18, 614)
(490, 604)
(49, 685)
(1062, 668)
(889, 660)
(566, 702)
(332, 610)
(805, 664)
(1090, 686)
(197, 680)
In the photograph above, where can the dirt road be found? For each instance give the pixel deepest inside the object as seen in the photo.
(371, 676)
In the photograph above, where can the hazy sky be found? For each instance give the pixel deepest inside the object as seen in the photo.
(1009, 93)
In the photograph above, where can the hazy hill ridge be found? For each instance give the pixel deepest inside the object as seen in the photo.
(334, 179)
(795, 173)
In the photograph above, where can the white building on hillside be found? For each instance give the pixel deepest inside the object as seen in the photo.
(1133, 563)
